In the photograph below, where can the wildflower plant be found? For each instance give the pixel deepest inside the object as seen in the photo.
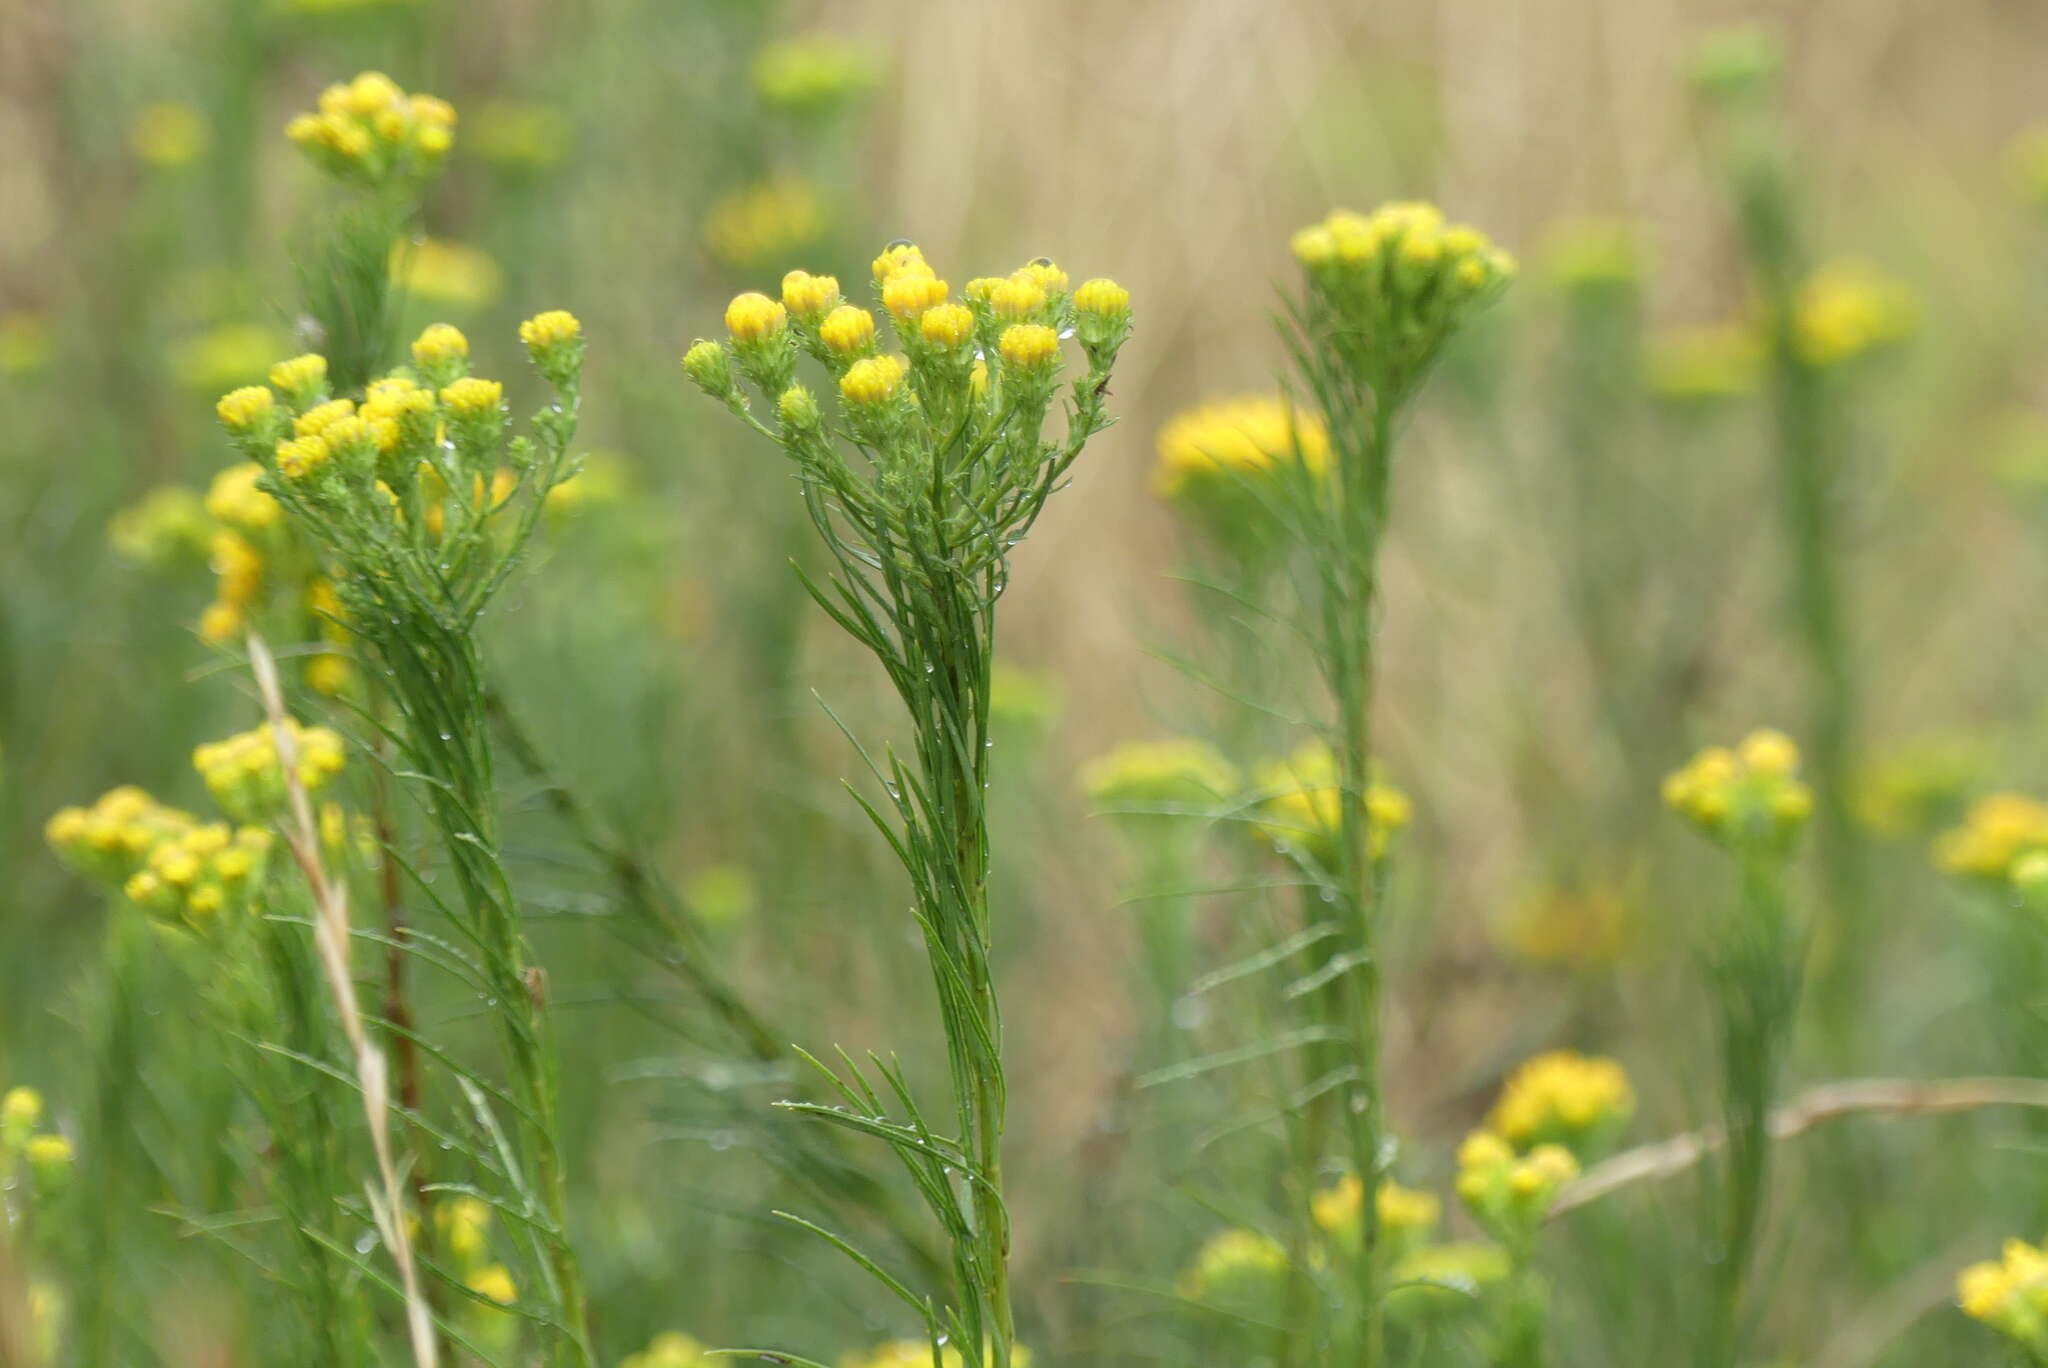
(1750, 802)
(1382, 294)
(422, 502)
(930, 467)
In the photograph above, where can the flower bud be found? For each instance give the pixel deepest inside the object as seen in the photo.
(947, 325)
(872, 381)
(1102, 314)
(848, 331)
(909, 293)
(1029, 346)
(710, 366)
(241, 410)
(303, 379)
(807, 296)
(754, 317)
(798, 409)
(895, 257)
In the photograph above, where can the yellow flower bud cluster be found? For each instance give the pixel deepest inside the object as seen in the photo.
(371, 132)
(177, 869)
(1177, 771)
(1387, 287)
(1564, 1097)
(1406, 1215)
(1211, 450)
(1749, 797)
(1305, 806)
(812, 75)
(1998, 832)
(245, 777)
(764, 222)
(2010, 1294)
(1847, 310)
(1506, 1192)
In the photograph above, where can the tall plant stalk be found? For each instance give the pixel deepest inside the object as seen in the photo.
(948, 474)
(1384, 293)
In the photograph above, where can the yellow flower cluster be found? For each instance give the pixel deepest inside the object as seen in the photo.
(174, 867)
(763, 222)
(2010, 1294)
(1176, 770)
(1561, 1096)
(1848, 309)
(1509, 1193)
(368, 130)
(1215, 447)
(1305, 807)
(1406, 1215)
(671, 1349)
(811, 75)
(1749, 797)
(1010, 326)
(1998, 833)
(245, 777)
(165, 529)
(1395, 282)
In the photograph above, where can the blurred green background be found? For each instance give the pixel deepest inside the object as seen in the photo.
(638, 162)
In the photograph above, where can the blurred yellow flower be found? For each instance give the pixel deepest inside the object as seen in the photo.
(168, 135)
(764, 222)
(671, 1349)
(227, 355)
(1997, 831)
(1176, 770)
(450, 273)
(1228, 439)
(1561, 1096)
(522, 135)
(813, 74)
(1581, 927)
(1847, 309)
(1305, 806)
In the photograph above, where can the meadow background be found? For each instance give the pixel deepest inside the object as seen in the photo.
(611, 160)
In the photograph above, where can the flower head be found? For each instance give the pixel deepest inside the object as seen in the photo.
(1226, 441)
(872, 381)
(753, 317)
(1749, 797)
(848, 330)
(1561, 1096)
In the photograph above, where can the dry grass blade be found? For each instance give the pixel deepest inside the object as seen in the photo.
(1816, 1106)
(331, 937)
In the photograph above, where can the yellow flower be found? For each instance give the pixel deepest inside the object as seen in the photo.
(1229, 1259)
(1746, 795)
(2009, 1295)
(1562, 1095)
(1306, 806)
(813, 73)
(1405, 1214)
(233, 498)
(1017, 300)
(1582, 927)
(806, 296)
(448, 273)
(242, 409)
(315, 421)
(848, 330)
(753, 316)
(1223, 441)
(764, 222)
(1848, 309)
(21, 1110)
(672, 1349)
(301, 376)
(1997, 831)
(1175, 770)
(168, 134)
(440, 344)
(1029, 346)
(948, 325)
(895, 257)
(471, 397)
(1102, 296)
(1042, 272)
(494, 1282)
(908, 293)
(872, 380)
(299, 457)
(220, 623)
